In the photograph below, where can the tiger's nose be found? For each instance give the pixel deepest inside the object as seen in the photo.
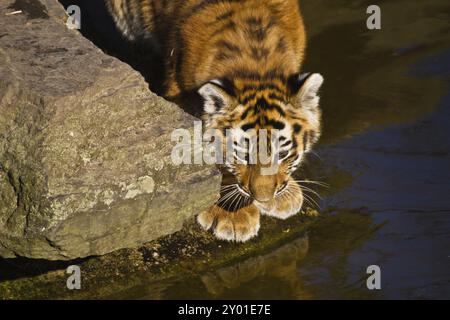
(261, 195)
(263, 199)
(262, 187)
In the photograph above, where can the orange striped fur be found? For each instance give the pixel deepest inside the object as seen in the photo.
(244, 59)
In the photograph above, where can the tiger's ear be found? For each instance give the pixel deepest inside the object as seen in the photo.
(305, 87)
(216, 97)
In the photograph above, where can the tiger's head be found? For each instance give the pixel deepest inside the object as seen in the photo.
(256, 113)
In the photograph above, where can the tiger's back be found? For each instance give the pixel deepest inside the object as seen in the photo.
(208, 39)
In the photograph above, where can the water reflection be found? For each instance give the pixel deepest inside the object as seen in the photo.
(313, 266)
(309, 267)
(280, 265)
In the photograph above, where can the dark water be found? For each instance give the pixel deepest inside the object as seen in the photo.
(385, 153)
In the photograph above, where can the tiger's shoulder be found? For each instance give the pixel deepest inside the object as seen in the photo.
(206, 39)
(236, 39)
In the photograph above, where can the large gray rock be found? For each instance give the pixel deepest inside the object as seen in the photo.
(85, 147)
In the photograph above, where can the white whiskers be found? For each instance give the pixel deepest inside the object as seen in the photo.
(233, 198)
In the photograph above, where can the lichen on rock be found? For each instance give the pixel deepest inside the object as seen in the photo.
(85, 146)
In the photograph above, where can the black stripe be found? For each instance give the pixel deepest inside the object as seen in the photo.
(218, 103)
(254, 22)
(275, 74)
(245, 113)
(297, 128)
(256, 75)
(275, 124)
(262, 87)
(226, 45)
(250, 125)
(255, 30)
(229, 26)
(259, 53)
(275, 10)
(280, 110)
(247, 74)
(295, 82)
(270, 24)
(282, 45)
(222, 56)
(207, 3)
(258, 35)
(228, 86)
(263, 104)
(247, 98)
(294, 144)
(226, 15)
(274, 96)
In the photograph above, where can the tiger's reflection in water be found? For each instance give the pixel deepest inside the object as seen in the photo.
(281, 264)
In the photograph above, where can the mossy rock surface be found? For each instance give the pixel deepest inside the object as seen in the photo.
(85, 166)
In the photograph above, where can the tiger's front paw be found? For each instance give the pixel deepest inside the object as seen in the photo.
(285, 205)
(239, 226)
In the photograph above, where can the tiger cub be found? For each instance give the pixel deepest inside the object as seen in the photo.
(243, 57)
